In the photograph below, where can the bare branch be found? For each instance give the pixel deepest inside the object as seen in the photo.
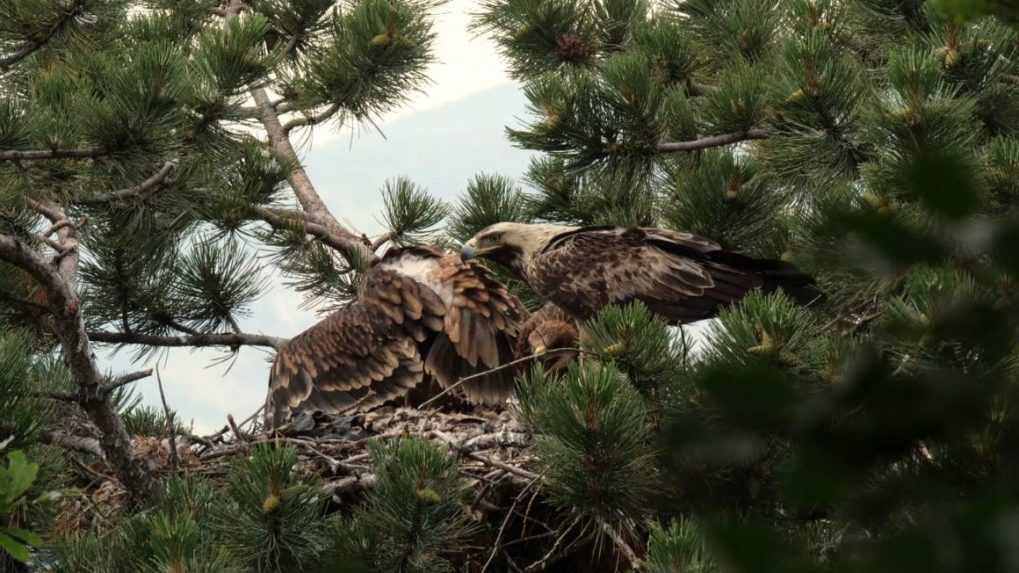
(309, 120)
(382, 240)
(299, 181)
(126, 379)
(289, 219)
(131, 192)
(197, 341)
(174, 459)
(510, 364)
(56, 227)
(712, 141)
(51, 212)
(42, 154)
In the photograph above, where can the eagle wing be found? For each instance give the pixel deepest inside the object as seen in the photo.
(419, 312)
(680, 276)
(478, 333)
(360, 356)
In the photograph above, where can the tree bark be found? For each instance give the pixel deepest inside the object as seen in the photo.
(69, 329)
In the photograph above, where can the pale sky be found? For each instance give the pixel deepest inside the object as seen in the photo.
(446, 135)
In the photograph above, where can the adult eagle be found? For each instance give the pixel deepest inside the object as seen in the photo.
(679, 276)
(419, 313)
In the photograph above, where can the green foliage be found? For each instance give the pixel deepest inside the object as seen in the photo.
(149, 421)
(728, 200)
(172, 534)
(410, 212)
(490, 199)
(22, 420)
(413, 520)
(637, 342)
(15, 481)
(277, 521)
(374, 55)
(680, 547)
(592, 440)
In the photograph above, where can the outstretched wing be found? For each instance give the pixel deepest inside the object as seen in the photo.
(420, 311)
(478, 332)
(360, 356)
(678, 275)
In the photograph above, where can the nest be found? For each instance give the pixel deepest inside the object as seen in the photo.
(491, 445)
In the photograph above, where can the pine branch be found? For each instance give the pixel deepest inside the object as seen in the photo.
(131, 192)
(301, 184)
(309, 120)
(69, 327)
(712, 141)
(42, 154)
(196, 341)
(35, 45)
(126, 379)
(287, 219)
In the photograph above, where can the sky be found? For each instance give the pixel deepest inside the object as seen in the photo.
(444, 136)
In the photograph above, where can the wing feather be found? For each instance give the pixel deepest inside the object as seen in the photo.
(679, 275)
(420, 312)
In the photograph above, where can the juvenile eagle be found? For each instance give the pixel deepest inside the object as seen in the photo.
(419, 312)
(550, 327)
(679, 276)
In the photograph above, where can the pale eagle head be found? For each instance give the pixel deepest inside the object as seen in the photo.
(512, 244)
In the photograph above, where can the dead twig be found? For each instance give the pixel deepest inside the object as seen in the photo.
(170, 425)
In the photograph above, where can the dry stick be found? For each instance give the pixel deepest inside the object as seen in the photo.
(170, 426)
(496, 369)
(623, 547)
(247, 420)
(527, 513)
(505, 521)
(485, 459)
(126, 379)
(509, 561)
(542, 563)
(233, 428)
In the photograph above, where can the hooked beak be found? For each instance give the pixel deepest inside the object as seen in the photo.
(469, 251)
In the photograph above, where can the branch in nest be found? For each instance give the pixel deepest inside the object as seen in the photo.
(510, 364)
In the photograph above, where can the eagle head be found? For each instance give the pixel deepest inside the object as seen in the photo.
(512, 244)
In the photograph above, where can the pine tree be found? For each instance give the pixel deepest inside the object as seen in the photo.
(135, 183)
(871, 143)
(874, 143)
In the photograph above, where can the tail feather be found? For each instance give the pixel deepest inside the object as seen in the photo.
(777, 275)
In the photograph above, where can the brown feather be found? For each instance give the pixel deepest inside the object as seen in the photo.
(381, 346)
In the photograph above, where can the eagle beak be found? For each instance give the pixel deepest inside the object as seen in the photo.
(468, 251)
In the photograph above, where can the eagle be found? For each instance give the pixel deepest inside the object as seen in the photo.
(679, 276)
(420, 313)
(548, 328)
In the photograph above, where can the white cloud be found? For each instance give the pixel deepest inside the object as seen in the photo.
(465, 64)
